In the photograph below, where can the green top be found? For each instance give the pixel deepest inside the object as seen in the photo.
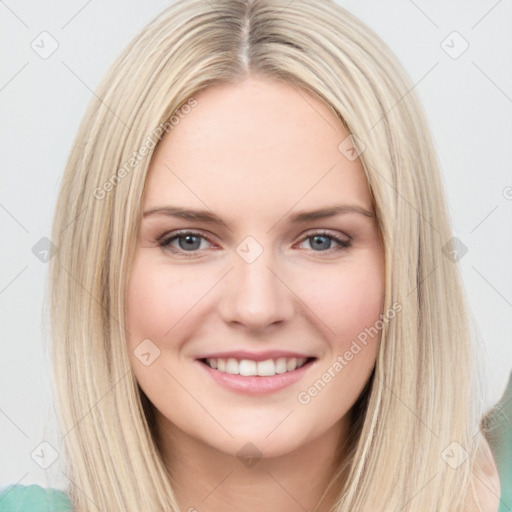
(33, 498)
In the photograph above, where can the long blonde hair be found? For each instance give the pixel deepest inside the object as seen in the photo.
(422, 397)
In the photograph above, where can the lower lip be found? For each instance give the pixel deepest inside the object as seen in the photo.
(256, 385)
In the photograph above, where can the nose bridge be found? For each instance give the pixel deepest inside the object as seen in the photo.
(255, 295)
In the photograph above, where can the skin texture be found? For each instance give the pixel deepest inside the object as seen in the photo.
(486, 479)
(253, 153)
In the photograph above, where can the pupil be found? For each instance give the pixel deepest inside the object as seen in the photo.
(325, 239)
(189, 241)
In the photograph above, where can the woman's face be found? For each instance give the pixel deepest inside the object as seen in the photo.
(252, 284)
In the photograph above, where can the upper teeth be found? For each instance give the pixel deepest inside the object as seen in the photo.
(247, 367)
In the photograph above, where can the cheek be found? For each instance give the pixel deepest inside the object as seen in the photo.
(157, 303)
(350, 303)
(348, 300)
(157, 300)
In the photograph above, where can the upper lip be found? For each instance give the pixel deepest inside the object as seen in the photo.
(254, 356)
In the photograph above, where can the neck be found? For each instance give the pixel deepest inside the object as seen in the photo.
(206, 479)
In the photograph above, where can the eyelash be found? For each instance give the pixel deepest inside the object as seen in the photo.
(165, 242)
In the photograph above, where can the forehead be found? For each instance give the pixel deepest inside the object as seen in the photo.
(260, 145)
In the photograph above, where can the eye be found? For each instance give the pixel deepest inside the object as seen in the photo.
(188, 242)
(323, 241)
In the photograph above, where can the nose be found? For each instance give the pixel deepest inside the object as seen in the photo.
(255, 295)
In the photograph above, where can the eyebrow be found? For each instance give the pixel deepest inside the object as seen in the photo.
(292, 218)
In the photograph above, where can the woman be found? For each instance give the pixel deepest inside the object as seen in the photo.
(253, 304)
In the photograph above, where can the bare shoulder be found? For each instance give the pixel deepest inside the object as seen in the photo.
(486, 479)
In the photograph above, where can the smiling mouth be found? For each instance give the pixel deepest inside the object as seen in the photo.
(250, 368)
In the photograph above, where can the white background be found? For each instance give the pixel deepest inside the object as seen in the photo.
(468, 102)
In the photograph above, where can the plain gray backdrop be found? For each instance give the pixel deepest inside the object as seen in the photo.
(466, 93)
